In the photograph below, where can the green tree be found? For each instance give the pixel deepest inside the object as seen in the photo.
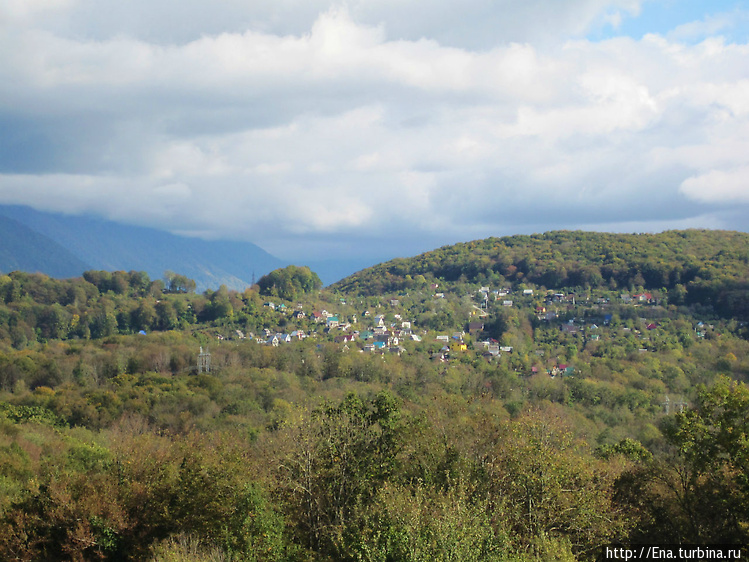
(699, 492)
(289, 282)
(166, 315)
(339, 457)
(176, 283)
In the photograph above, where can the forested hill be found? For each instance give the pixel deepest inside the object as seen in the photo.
(692, 265)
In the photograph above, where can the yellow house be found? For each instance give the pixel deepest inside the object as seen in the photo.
(458, 346)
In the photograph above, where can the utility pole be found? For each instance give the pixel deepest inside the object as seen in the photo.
(204, 361)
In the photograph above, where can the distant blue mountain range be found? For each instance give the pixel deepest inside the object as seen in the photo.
(65, 246)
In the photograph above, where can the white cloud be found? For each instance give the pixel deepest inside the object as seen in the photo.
(363, 121)
(16, 12)
(710, 26)
(719, 186)
(474, 24)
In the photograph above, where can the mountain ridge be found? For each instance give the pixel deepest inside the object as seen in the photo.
(25, 249)
(91, 243)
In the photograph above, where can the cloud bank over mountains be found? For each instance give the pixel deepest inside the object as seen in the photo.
(317, 129)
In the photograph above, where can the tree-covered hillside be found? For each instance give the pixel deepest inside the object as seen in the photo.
(693, 266)
(466, 405)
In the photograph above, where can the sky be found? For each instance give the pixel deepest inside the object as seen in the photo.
(377, 128)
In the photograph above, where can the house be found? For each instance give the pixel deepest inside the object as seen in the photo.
(299, 314)
(458, 346)
(270, 305)
(440, 357)
(475, 328)
(506, 303)
(317, 317)
(384, 339)
(527, 291)
(506, 348)
(332, 321)
(443, 338)
(561, 369)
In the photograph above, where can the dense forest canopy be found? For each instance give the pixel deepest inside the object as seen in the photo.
(526, 398)
(289, 282)
(692, 265)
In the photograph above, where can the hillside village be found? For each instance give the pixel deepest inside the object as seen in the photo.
(566, 319)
